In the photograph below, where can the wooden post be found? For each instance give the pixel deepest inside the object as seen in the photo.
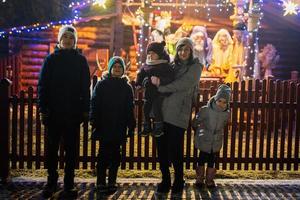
(119, 30)
(145, 27)
(4, 129)
(254, 16)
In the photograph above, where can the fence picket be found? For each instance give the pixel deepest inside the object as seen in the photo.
(291, 119)
(241, 125)
(22, 129)
(154, 156)
(255, 124)
(248, 123)
(270, 122)
(29, 127)
(283, 124)
(146, 153)
(262, 125)
(277, 123)
(234, 123)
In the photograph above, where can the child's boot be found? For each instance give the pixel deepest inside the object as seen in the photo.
(158, 129)
(210, 175)
(146, 129)
(200, 170)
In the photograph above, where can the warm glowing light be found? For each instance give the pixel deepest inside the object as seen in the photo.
(290, 8)
(100, 3)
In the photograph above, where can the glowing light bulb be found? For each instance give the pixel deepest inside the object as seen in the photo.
(290, 8)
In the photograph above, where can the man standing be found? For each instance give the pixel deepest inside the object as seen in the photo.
(63, 98)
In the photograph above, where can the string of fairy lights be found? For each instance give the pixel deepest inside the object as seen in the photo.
(256, 12)
(290, 7)
(40, 27)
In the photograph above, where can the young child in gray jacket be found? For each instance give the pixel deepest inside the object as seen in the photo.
(209, 124)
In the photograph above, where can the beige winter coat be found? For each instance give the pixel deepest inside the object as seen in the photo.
(176, 108)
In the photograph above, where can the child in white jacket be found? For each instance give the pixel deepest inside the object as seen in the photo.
(209, 124)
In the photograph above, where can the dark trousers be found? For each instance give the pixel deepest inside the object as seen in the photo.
(170, 150)
(153, 101)
(109, 157)
(209, 158)
(68, 133)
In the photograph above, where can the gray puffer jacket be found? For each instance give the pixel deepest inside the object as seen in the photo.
(177, 107)
(210, 127)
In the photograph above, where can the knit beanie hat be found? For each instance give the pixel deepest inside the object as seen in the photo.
(185, 41)
(114, 60)
(70, 29)
(159, 49)
(224, 91)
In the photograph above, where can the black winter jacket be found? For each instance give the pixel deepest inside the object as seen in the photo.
(64, 86)
(112, 109)
(163, 71)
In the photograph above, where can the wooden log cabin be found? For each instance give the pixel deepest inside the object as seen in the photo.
(96, 40)
(102, 36)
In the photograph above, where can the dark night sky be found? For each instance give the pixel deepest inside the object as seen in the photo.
(26, 12)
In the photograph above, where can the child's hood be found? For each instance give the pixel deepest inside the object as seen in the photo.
(213, 101)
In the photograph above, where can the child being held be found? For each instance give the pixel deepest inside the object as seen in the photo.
(157, 64)
(209, 124)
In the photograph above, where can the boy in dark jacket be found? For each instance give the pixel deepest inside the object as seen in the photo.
(157, 64)
(112, 118)
(63, 98)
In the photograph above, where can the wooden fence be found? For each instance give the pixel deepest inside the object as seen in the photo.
(263, 132)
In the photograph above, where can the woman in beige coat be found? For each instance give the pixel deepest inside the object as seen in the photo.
(176, 111)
